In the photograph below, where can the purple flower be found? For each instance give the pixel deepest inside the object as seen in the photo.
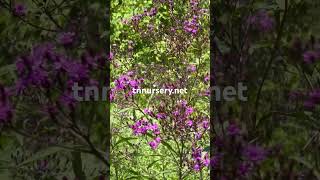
(5, 113)
(147, 111)
(183, 103)
(194, 4)
(136, 19)
(207, 78)
(153, 145)
(158, 139)
(312, 100)
(244, 168)
(206, 160)
(191, 68)
(76, 71)
(192, 26)
(198, 160)
(218, 142)
(161, 116)
(196, 153)
(153, 11)
(233, 129)
(315, 96)
(198, 135)
(310, 57)
(22, 65)
(112, 95)
(261, 21)
(33, 69)
(142, 126)
(215, 160)
(153, 127)
(66, 38)
(205, 124)
(254, 153)
(196, 167)
(67, 99)
(127, 83)
(189, 111)
(89, 61)
(134, 83)
(110, 57)
(176, 113)
(189, 123)
(20, 10)
(38, 77)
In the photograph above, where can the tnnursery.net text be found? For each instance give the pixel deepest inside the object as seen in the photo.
(228, 93)
(159, 91)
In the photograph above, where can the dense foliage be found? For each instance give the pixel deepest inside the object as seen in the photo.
(46, 47)
(271, 46)
(160, 44)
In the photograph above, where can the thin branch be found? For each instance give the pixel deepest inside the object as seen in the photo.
(272, 57)
(7, 6)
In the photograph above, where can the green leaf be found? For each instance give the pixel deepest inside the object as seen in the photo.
(41, 155)
(152, 163)
(169, 146)
(77, 165)
(127, 140)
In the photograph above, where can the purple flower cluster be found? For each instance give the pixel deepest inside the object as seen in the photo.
(111, 56)
(244, 168)
(194, 4)
(313, 99)
(261, 21)
(125, 83)
(143, 126)
(184, 121)
(233, 129)
(153, 11)
(135, 20)
(311, 56)
(66, 38)
(33, 69)
(191, 26)
(20, 10)
(207, 78)
(200, 159)
(243, 156)
(254, 153)
(45, 68)
(179, 121)
(155, 143)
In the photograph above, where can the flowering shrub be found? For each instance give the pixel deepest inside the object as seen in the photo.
(163, 44)
(270, 46)
(45, 132)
